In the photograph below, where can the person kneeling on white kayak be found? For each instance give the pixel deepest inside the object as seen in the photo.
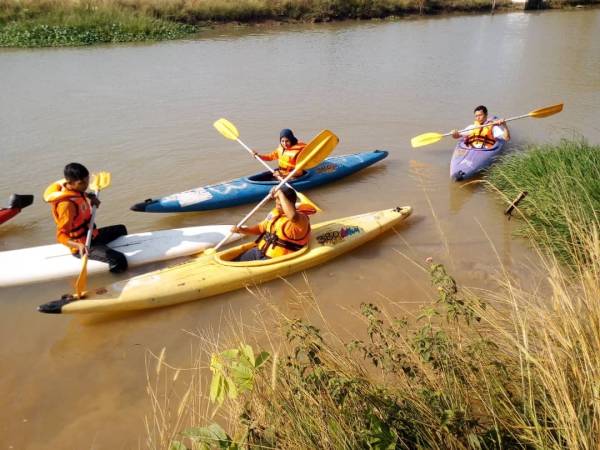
(285, 230)
(72, 212)
(484, 137)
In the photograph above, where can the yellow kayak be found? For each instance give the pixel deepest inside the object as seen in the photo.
(208, 275)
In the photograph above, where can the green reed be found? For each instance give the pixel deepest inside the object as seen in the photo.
(563, 185)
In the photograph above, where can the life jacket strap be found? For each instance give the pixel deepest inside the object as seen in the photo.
(272, 240)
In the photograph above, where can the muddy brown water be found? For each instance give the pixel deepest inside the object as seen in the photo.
(144, 113)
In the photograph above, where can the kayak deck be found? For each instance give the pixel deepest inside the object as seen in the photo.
(51, 262)
(252, 188)
(467, 162)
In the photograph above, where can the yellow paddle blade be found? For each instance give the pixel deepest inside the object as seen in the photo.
(547, 111)
(317, 150)
(100, 181)
(307, 201)
(227, 129)
(425, 139)
(81, 282)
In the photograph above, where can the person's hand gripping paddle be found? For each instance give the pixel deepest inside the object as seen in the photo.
(431, 137)
(229, 130)
(99, 181)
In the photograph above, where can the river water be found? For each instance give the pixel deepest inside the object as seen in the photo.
(145, 113)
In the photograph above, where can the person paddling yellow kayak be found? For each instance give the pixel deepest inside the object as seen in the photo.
(285, 230)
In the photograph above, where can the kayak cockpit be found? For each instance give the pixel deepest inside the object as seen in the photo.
(226, 258)
(267, 178)
(461, 146)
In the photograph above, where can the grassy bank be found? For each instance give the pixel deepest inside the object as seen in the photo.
(39, 23)
(563, 202)
(43, 26)
(512, 367)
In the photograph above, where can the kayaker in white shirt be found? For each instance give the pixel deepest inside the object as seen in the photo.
(484, 137)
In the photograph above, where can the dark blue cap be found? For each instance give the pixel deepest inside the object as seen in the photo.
(286, 132)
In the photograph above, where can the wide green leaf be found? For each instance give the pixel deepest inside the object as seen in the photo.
(247, 351)
(216, 389)
(261, 359)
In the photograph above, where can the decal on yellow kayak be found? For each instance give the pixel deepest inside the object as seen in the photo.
(336, 236)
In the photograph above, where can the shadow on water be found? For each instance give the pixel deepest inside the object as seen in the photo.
(461, 193)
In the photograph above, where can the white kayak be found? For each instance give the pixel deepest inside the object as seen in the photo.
(50, 262)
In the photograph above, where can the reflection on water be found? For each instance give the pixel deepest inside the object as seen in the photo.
(145, 113)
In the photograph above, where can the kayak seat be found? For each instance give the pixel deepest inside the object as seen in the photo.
(226, 258)
(465, 147)
(267, 178)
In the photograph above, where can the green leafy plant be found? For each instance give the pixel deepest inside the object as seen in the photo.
(233, 372)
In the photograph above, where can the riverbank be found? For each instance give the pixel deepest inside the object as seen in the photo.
(512, 367)
(54, 23)
(563, 202)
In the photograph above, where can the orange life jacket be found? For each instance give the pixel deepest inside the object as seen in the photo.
(288, 158)
(57, 193)
(274, 242)
(481, 137)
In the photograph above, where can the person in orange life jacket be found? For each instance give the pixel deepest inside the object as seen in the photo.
(287, 154)
(484, 137)
(72, 212)
(285, 230)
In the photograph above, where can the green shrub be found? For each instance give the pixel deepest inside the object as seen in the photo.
(563, 185)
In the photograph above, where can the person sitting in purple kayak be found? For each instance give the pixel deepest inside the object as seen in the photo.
(478, 136)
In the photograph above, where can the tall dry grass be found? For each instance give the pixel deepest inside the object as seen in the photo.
(515, 366)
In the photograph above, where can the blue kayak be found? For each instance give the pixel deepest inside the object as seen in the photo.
(253, 188)
(468, 161)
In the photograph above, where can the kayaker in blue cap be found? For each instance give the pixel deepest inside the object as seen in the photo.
(286, 153)
(483, 137)
(285, 230)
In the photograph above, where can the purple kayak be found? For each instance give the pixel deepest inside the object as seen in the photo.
(468, 161)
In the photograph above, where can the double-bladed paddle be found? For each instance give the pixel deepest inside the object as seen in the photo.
(315, 151)
(229, 130)
(431, 138)
(99, 181)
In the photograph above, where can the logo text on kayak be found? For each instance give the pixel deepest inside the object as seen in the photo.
(334, 237)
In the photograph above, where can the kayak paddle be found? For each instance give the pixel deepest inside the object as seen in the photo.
(315, 151)
(100, 181)
(431, 138)
(229, 130)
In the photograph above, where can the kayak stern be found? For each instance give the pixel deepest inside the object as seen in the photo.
(56, 306)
